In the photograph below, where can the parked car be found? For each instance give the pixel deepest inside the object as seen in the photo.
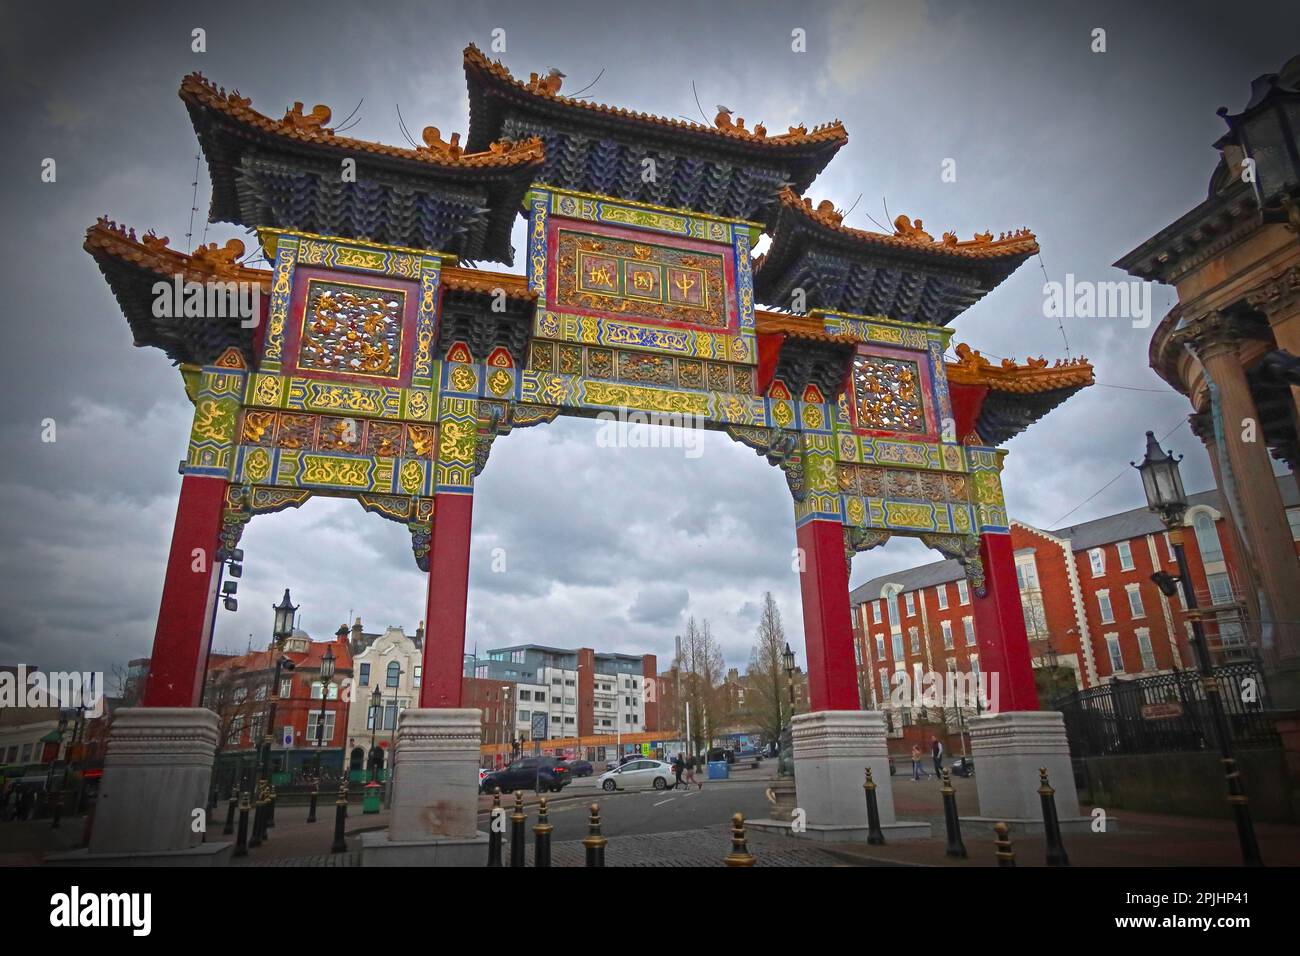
(637, 774)
(580, 768)
(964, 767)
(482, 775)
(529, 773)
(618, 762)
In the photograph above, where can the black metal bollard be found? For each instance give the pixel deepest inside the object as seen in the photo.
(955, 846)
(231, 807)
(270, 810)
(739, 855)
(1002, 840)
(241, 841)
(496, 824)
(57, 809)
(340, 814)
(542, 833)
(517, 831)
(875, 836)
(259, 817)
(1056, 855)
(595, 843)
(311, 808)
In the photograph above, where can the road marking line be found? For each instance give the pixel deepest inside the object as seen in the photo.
(662, 802)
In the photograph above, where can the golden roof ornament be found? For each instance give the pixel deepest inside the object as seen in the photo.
(910, 229)
(433, 143)
(315, 120)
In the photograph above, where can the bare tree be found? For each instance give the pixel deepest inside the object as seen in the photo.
(766, 698)
(702, 671)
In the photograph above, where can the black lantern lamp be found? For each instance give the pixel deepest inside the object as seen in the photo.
(1162, 483)
(327, 666)
(788, 659)
(1265, 132)
(284, 614)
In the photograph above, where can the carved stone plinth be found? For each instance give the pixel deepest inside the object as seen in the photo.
(1009, 748)
(434, 820)
(832, 749)
(157, 768)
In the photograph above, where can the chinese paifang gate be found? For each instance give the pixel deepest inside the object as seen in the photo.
(384, 362)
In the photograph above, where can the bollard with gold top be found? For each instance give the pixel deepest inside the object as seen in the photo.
(1002, 840)
(241, 841)
(340, 814)
(496, 824)
(955, 847)
(517, 831)
(739, 855)
(595, 843)
(542, 832)
(1056, 855)
(311, 810)
(229, 828)
(875, 836)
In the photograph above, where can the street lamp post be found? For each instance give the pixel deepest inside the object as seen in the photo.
(1164, 492)
(326, 676)
(281, 632)
(376, 711)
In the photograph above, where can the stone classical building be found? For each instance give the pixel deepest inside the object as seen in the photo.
(389, 661)
(1232, 346)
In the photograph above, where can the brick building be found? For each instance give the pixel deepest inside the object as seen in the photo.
(1088, 600)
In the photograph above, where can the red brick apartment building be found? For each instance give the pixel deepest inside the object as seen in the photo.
(1088, 600)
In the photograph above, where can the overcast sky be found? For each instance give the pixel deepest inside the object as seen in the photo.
(609, 548)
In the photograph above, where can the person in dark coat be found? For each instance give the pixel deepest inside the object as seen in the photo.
(679, 766)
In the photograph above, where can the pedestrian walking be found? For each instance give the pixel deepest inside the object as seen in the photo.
(679, 765)
(917, 766)
(690, 776)
(936, 751)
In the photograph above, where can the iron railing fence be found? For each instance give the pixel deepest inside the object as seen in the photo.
(1167, 713)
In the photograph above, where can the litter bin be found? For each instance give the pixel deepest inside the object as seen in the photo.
(370, 804)
(718, 770)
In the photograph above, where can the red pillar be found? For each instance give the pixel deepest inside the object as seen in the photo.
(444, 634)
(181, 642)
(1000, 628)
(827, 620)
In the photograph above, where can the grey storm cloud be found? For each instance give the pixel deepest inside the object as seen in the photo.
(603, 547)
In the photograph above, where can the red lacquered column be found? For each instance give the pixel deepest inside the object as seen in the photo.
(827, 620)
(444, 635)
(1000, 628)
(184, 634)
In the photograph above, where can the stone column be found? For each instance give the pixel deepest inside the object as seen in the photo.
(154, 791)
(1279, 300)
(434, 819)
(1263, 515)
(832, 749)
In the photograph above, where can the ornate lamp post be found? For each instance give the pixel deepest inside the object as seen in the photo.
(1265, 132)
(326, 676)
(785, 762)
(1165, 496)
(376, 709)
(280, 633)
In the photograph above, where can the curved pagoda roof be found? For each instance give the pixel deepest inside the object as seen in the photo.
(132, 265)
(909, 275)
(726, 169)
(1003, 400)
(285, 174)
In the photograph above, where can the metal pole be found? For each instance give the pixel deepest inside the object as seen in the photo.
(1209, 683)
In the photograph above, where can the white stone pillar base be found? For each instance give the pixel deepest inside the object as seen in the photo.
(434, 813)
(832, 749)
(157, 769)
(1008, 749)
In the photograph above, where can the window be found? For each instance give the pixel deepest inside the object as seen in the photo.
(1144, 647)
(942, 592)
(1293, 519)
(1026, 574)
(525, 695)
(316, 690)
(1103, 604)
(946, 627)
(963, 592)
(1135, 601)
(1220, 589)
(884, 685)
(260, 694)
(569, 701)
(1207, 537)
(555, 680)
(1097, 558)
(909, 601)
(568, 682)
(524, 716)
(555, 719)
(11, 754)
(555, 700)
(1116, 658)
(898, 645)
(236, 731)
(1125, 556)
(914, 638)
(880, 647)
(240, 694)
(365, 675)
(568, 720)
(419, 669)
(327, 732)
(286, 687)
(394, 674)
(1169, 547)
(517, 657)
(875, 612)
(968, 623)
(27, 752)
